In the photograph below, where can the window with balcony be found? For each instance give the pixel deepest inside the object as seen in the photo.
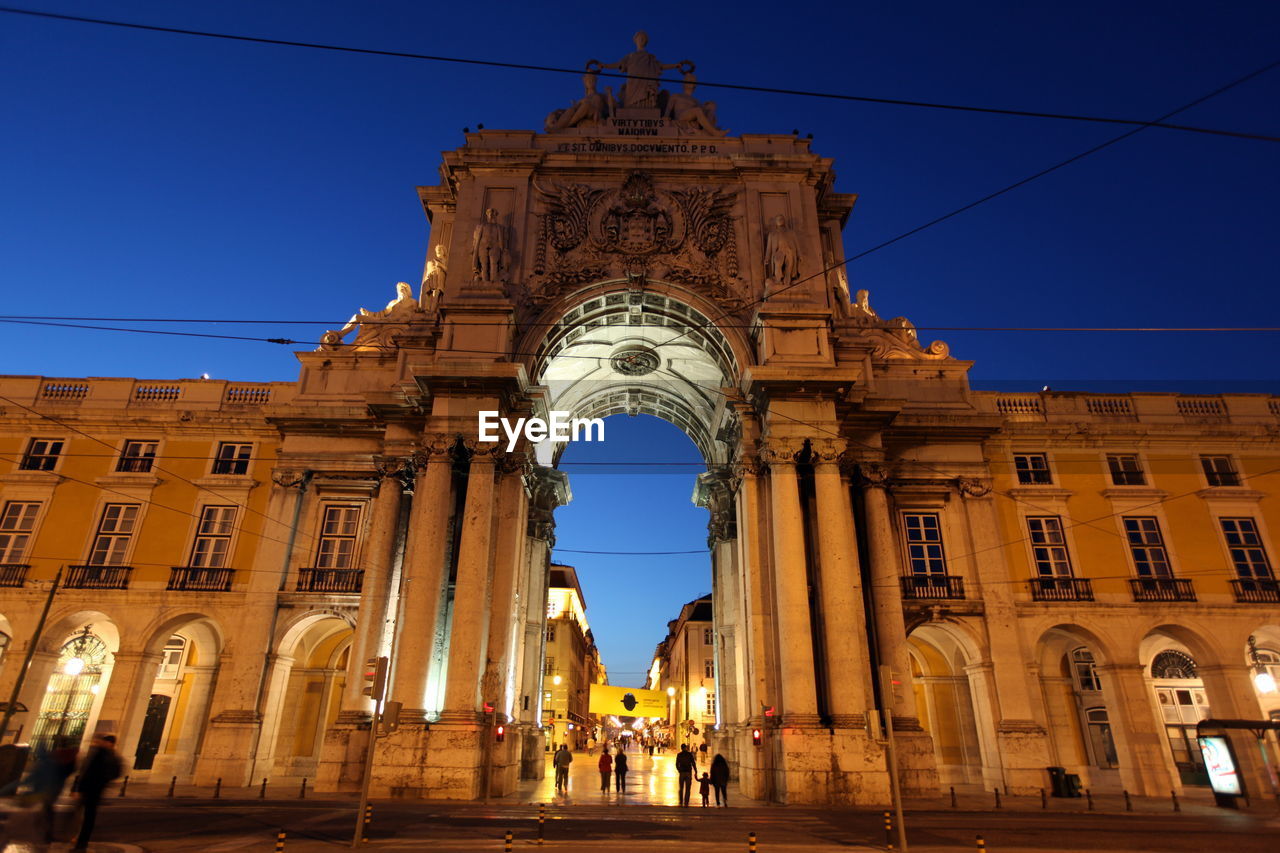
(1254, 581)
(1146, 544)
(338, 531)
(1220, 470)
(213, 537)
(42, 454)
(232, 458)
(137, 457)
(1032, 469)
(1054, 579)
(17, 523)
(1126, 469)
(926, 559)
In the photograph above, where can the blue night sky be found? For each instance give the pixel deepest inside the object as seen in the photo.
(153, 175)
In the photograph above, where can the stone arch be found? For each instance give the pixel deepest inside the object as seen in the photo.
(1175, 700)
(1266, 640)
(304, 692)
(77, 698)
(178, 658)
(952, 704)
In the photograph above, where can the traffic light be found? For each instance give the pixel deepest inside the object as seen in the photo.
(755, 737)
(375, 678)
(500, 734)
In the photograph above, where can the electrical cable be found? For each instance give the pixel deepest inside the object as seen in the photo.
(703, 83)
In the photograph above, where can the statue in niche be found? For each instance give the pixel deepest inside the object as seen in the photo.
(489, 249)
(781, 255)
(642, 69)
(589, 111)
(689, 112)
(376, 327)
(433, 279)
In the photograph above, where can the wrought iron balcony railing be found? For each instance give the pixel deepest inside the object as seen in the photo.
(1257, 590)
(932, 586)
(1162, 589)
(330, 580)
(195, 579)
(13, 574)
(1061, 589)
(98, 577)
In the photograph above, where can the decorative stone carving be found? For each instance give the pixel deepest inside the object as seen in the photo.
(896, 338)
(715, 490)
(642, 69)
(376, 328)
(636, 231)
(874, 473)
(781, 256)
(433, 279)
(287, 478)
(972, 487)
(689, 113)
(490, 254)
(781, 450)
(827, 449)
(589, 111)
(547, 489)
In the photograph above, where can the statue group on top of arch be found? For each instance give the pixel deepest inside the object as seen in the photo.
(375, 330)
(640, 92)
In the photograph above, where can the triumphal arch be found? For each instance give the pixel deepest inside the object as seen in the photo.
(633, 257)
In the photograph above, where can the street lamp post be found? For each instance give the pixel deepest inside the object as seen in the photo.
(74, 667)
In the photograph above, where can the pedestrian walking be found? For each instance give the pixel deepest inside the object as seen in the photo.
(720, 779)
(606, 770)
(42, 785)
(620, 770)
(562, 761)
(685, 766)
(704, 789)
(101, 767)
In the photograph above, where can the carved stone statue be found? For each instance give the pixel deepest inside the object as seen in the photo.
(433, 278)
(589, 111)
(376, 327)
(642, 69)
(489, 249)
(689, 112)
(781, 254)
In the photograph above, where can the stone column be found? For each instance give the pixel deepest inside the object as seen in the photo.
(886, 592)
(799, 700)
(753, 559)
(499, 680)
(424, 573)
(1140, 744)
(371, 618)
(714, 491)
(844, 630)
(468, 643)
(1019, 709)
(125, 704)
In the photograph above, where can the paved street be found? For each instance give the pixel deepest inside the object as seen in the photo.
(645, 818)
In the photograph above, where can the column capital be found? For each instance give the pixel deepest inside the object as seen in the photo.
(290, 478)
(749, 465)
(829, 450)
(874, 474)
(781, 451)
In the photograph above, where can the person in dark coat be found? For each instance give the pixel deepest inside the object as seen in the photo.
(685, 765)
(720, 779)
(620, 770)
(101, 767)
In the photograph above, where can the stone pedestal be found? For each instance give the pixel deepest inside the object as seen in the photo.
(837, 766)
(1024, 751)
(342, 756)
(441, 762)
(229, 743)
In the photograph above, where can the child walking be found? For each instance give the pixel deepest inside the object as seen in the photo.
(704, 788)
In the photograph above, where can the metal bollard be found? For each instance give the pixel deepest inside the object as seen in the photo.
(751, 842)
(262, 795)
(1088, 798)
(302, 792)
(124, 786)
(368, 819)
(1128, 803)
(506, 842)
(982, 845)
(1174, 795)
(888, 831)
(217, 789)
(953, 796)
(997, 793)
(280, 836)
(542, 820)
(1044, 800)
(172, 784)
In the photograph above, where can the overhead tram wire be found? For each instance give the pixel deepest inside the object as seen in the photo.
(741, 87)
(36, 319)
(971, 205)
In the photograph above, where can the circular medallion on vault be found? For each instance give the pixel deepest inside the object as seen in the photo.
(635, 361)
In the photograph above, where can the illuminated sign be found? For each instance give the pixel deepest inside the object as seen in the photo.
(1220, 764)
(627, 701)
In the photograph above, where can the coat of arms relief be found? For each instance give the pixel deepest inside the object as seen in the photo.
(637, 231)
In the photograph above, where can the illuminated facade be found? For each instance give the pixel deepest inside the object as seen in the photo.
(1057, 579)
(684, 667)
(571, 663)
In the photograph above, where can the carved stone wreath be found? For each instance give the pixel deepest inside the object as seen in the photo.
(635, 361)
